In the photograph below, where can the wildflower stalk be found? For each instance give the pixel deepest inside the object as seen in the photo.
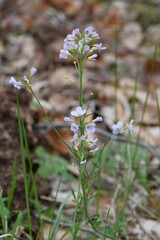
(80, 64)
(81, 82)
(78, 47)
(83, 180)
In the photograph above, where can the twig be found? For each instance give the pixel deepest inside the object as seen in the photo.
(67, 224)
(134, 215)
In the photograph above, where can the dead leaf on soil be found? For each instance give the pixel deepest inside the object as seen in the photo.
(131, 35)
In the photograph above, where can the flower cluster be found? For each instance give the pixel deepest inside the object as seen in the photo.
(81, 44)
(119, 128)
(19, 84)
(82, 138)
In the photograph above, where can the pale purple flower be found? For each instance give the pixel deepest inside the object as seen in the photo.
(63, 53)
(75, 32)
(118, 128)
(69, 37)
(16, 84)
(78, 112)
(83, 46)
(74, 127)
(91, 127)
(83, 162)
(75, 137)
(130, 127)
(33, 71)
(76, 141)
(67, 119)
(91, 33)
(69, 45)
(26, 79)
(65, 45)
(98, 47)
(91, 142)
(83, 137)
(93, 57)
(72, 46)
(86, 48)
(97, 119)
(89, 29)
(94, 150)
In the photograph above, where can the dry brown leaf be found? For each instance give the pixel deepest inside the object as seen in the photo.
(58, 77)
(108, 111)
(60, 103)
(57, 143)
(153, 33)
(151, 227)
(151, 65)
(150, 135)
(70, 7)
(131, 35)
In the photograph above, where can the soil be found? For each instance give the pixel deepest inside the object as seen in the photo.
(9, 140)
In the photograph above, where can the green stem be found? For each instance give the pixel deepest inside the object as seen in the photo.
(53, 127)
(20, 129)
(74, 232)
(80, 72)
(33, 180)
(85, 199)
(80, 65)
(146, 99)
(116, 74)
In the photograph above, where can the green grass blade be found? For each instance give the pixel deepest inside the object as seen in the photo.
(11, 189)
(26, 187)
(146, 100)
(54, 205)
(2, 211)
(32, 178)
(56, 221)
(17, 222)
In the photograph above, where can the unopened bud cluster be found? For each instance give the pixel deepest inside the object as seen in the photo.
(80, 44)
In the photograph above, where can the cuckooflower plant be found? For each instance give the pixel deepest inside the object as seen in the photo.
(78, 47)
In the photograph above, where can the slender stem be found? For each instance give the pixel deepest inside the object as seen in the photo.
(53, 126)
(80, 82)
(74, 232)
(23, 163)
(85, 199)
(80, 72)
(116, 74)
(146, 99)
(33, 180)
